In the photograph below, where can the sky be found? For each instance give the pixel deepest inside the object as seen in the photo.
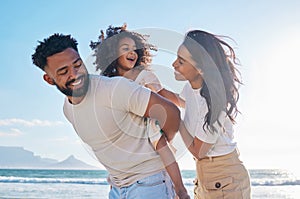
(266, 41)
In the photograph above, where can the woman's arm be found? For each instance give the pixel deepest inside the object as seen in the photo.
(173, 97)
(198, 148)
(151, 81)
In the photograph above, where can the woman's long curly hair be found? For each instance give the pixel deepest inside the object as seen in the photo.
(106, 49)
(220, 86)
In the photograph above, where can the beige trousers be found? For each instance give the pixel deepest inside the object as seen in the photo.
(223, 177)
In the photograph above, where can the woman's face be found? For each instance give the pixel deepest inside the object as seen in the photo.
(127, 57)
(184, 65)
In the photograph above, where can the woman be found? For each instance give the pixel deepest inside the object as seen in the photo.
(211, 106)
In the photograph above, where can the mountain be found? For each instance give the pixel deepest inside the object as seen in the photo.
(18, 157)
(72, 163)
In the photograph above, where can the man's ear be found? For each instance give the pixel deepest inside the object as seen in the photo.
(48, 79)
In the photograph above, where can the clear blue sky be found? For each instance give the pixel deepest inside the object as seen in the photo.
(267, 43)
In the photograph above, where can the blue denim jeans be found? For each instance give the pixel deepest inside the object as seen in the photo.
(157, 186)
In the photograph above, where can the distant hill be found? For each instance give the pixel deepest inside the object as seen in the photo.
(72, 163)
(18, 157)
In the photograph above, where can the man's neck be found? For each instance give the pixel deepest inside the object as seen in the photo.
(75, 100)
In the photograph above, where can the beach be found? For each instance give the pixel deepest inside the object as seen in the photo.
(90, 184)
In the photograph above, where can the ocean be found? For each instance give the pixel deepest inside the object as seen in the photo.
(91, 184)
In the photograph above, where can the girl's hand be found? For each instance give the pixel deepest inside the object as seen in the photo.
(182, 194)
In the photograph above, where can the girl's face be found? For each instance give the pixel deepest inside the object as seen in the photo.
(127, 57)
(184, 65)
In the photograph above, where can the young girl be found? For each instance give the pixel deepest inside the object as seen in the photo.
(125, 53)
(210, 108)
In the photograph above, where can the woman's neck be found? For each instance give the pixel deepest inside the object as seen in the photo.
(197, 82)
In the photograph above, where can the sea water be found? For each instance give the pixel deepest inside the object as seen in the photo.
(92, 184)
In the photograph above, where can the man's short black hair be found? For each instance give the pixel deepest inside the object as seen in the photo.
(56, 43)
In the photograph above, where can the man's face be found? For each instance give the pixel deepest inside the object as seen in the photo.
(67, 71)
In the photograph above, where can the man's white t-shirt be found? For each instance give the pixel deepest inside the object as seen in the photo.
(149, 80)
(109, 120)
(194, 118)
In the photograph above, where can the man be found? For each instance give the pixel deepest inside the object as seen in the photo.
(108, 114)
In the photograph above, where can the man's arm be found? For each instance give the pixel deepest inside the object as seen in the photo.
(165, 112)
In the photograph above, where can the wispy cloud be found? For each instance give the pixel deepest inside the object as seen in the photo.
(29, 123)
(61, 139)
(12, 133)
(66, 139)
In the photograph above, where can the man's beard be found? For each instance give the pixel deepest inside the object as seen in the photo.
(75, 93)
